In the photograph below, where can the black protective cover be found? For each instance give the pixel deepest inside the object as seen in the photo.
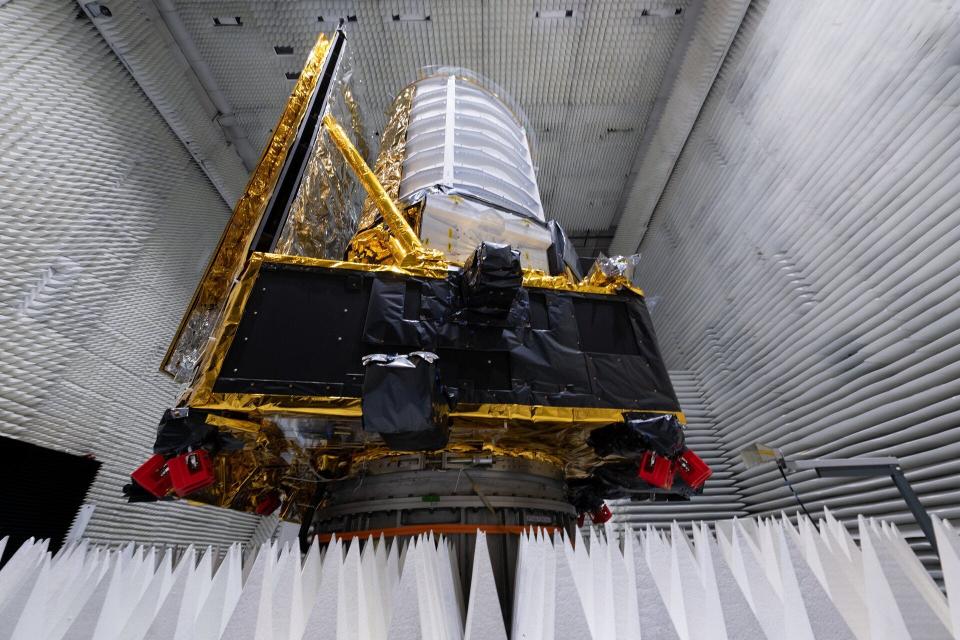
(404, 405)
(561, 253)
(638, 433)
(183, 429)
(305, 329)
(491, 278)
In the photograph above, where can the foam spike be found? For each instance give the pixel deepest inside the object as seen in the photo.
(520, 586)
(85, 622)
(321, 612)
(712, 614)
(146, 608)
(372, 624)
(886, 620)
(948, 545)
(830, 565)
(164, 623)
(484, 617)
(604, 615)
(687, 595)
(808, 610)
(451, 556)
(769, 556)
(251, 618)
(583, 573)
(385, 580)
(570, 617)
(197, 588)
(222, 597)
(723, 585)
(628, 588)
(393, 569)
(407, 620)
(310, 580)
(654, 616)
(626, 621)
(348, 609)
(16, 582)
(918, 576)
(450, 598)
(550, 586)
(657, 556)
(75, 596)
(736, 616)
(897, 602)
(753, 582)
(54, 597)
(29, 623)
(287, 606)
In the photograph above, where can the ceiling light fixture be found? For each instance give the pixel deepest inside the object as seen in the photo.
(221, 21)
(554, 14)
(410, 17)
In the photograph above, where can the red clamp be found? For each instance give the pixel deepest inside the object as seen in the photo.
(601, 514)
(154, 476)
(656, 470)
(692, 469)
(191, 472)
(267, 503)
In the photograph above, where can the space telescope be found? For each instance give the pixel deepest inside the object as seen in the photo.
(414, 346)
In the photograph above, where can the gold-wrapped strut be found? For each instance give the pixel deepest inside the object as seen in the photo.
(407, 249)
(535, 279)
(389, 165)
(323, 215)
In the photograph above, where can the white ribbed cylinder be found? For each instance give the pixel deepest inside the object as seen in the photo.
(463, 137)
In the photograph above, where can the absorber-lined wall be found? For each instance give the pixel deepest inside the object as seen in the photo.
(107, 225)
(804, 254)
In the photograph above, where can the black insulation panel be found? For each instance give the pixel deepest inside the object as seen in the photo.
(305, 329)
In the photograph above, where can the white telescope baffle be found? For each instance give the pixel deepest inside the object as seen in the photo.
(468, 156)
(738, 579)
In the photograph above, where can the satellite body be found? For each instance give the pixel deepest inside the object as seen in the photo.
(427, 357)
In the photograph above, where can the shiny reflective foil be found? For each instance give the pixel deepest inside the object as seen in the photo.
(324, 214)
(293, 452)
(372, 243)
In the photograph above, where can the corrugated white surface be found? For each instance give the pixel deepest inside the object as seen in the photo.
(806, 249)
(587, 82)
(721, 497)
(106, 226)
(137, 34)
(711, 31)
